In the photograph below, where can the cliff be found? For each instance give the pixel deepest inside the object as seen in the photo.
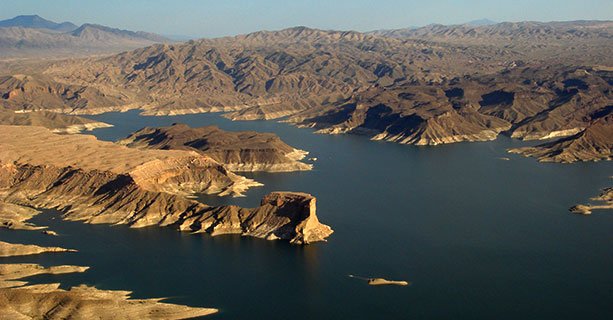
(237, 151)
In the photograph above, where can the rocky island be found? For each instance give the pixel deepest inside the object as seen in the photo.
(605, 198)
(237, 151)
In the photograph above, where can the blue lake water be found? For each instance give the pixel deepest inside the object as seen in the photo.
(478, 237)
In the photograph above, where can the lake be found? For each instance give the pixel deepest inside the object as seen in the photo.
(477, 236)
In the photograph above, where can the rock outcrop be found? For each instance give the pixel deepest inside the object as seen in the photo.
(281, 215)
(404, 89)
(177, 172)
(237, 151)
(605, 198)
(35, 92)
(101, 182)
(57, 122)
(592, 144)
(15, 217)
(11, 249)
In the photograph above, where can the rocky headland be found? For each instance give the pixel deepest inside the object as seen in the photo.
(594, 143)
(11, 249)
(15, 217)
(237, 151)
(102, 182)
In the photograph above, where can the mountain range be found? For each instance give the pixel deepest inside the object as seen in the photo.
(426, 86)
(33, 36)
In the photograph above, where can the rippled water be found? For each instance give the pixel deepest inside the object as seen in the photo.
(478, 237)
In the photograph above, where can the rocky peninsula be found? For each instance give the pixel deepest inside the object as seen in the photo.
(102, 182)
(21, 300)
(237, 151)
(57, 122)
(594, 143)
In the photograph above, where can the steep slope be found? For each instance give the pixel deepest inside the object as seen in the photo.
(526, 103)
(567, 42)
(33, 92)
(267, 73)
(408, 90)
(237, 151)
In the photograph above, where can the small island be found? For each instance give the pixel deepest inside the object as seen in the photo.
(605, 198)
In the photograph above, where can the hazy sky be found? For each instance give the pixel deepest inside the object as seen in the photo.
(226, 17)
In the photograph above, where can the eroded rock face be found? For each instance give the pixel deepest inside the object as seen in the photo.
(237, 151)
(172, 171)
(104, 197)
(281, 215)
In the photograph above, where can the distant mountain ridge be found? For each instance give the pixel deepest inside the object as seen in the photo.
(37, 22)
(486, 31)
(35, 36)
(481, 22)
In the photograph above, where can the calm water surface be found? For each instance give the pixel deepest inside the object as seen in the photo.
(478, 237)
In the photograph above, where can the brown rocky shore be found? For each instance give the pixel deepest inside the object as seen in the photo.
(21, 300)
